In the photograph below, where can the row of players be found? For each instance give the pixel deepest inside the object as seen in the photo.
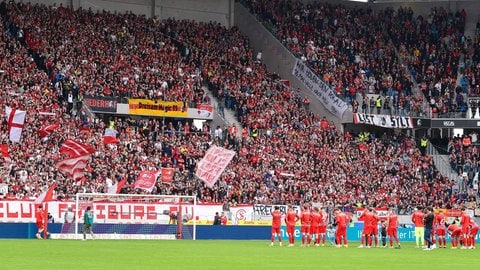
(428, 225)
(314, 224)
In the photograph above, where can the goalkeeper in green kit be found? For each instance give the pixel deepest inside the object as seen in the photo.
(88, 223)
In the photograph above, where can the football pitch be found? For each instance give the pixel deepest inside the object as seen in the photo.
(224, 254)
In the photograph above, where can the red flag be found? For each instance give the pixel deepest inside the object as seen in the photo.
(115, 189)
(146, 180)
(167, 175)
(110, 136)
(45, 131)
(45, 196)
(110, 140)
(76, 149)
(73, 167)
(4, 150)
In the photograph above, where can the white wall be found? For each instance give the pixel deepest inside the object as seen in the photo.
(205, 11)
(140, 7)
(199, 10)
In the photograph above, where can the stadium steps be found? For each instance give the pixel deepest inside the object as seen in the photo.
(229, 117)
(279, 60)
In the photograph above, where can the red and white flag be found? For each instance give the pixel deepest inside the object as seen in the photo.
(146, 180)
(212, 165)
(167, 175)
(73, 167)
(46, 130)
(110, 136)
(115, 189)
(75, 149)
(15, 123)
(45, 196)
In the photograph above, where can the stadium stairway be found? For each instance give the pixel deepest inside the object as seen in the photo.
(228, 118)
(279, 60)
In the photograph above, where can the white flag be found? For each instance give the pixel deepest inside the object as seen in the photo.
(15, 122)
(213, 164)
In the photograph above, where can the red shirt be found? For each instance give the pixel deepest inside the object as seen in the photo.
(306, 217)
(454, 230)
(342, 219)
(392, 221)
(291, 218)
(316, 219)
(276, 218)
(440, 221)
(465, 221)
(417, 218)
(223, 220)
(362, 216)
(369, 219)
(374, 220)
(324, 221)
(473, 225)
(39, 215)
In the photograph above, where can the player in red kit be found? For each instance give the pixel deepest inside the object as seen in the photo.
(291, 219)
(367, 231)
(417, 219)
(392, 228)
(341, 219)
(305, 220)
(440, 230)
(374, 225)
(315, 226)
(40, 218)
(455, 233)
(276, 224)
(322, 228)
(223, 219)
(473, 233)
(465, 223)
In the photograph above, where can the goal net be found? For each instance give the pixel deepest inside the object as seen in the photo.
(132, 216)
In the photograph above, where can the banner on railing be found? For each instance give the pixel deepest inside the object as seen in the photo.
(322, 91)
(382, 120)
(101, 104)
(138, 106)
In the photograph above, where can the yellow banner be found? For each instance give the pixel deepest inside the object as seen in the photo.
(140, 106)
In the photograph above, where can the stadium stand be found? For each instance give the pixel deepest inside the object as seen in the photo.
(285, 154)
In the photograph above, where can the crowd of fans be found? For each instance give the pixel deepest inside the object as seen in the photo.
(387, 52)
(285, 154)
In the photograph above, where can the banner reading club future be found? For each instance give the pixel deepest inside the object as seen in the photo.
(157, 108)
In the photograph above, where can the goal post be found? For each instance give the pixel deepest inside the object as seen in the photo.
(134, 216)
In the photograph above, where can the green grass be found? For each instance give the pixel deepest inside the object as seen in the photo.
(187, 254)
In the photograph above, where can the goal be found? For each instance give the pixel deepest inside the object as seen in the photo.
(132, 216)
